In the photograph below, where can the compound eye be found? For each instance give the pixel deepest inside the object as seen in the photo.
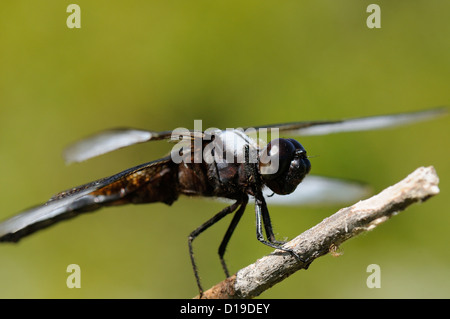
(276, 158)
(297, 145)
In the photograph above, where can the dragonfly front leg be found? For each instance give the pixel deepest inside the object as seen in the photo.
(262, 216)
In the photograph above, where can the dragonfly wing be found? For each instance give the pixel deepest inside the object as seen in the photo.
(108, 141)
(39, 217)
(114, 139)
(117, 189)
(319, 190)
(356, 124)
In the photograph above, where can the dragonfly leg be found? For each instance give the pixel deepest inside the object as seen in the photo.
(227, 210)
(223, 245)
(262, 216)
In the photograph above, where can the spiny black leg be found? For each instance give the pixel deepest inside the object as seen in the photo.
(260, 206)
(268, 224)
(253, 171)
(223, 245)
(227, 210)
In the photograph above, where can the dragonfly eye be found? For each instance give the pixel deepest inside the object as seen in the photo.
(276, 157)
(283, 165)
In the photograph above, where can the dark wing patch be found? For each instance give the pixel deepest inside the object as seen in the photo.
(84, 198)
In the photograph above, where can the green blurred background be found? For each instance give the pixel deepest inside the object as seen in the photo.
(161, 64)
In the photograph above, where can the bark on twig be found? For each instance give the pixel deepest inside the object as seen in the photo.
(326, 236)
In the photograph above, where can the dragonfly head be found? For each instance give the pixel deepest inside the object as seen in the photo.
(283, 165)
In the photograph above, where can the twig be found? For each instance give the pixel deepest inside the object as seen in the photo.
(326, 236)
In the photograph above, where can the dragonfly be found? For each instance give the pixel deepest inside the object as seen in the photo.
(253, 172)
